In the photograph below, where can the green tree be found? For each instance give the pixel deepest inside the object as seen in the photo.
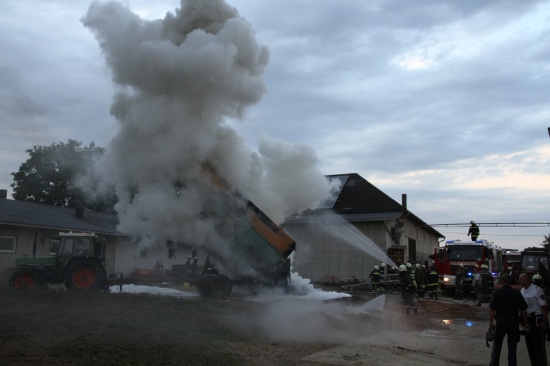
(50, 174)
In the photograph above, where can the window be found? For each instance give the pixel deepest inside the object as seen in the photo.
(7, 244)
(464, 252)
(144, 252)
(54, 246)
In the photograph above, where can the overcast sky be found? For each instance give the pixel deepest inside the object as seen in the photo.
(446, 101)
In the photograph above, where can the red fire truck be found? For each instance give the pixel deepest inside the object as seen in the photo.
(468, 253)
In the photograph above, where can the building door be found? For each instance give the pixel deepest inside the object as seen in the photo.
(412, 251)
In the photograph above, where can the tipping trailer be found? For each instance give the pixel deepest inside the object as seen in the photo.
(261, 246)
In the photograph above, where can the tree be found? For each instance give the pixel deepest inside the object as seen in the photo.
(546, 241)
(50, 174)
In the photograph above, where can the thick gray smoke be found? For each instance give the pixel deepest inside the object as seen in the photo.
(174, 158)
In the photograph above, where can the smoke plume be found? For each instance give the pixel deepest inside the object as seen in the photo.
(174, 158)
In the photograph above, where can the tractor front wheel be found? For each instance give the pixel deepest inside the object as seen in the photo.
(24, 279)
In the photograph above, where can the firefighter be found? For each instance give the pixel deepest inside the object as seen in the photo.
(408, 288)
(421, 280)
(375, 279)
(188, 266)
(473, 231)
(459, 279)
(432, 283)
(382, 268)
(486, 283)
(195, 267)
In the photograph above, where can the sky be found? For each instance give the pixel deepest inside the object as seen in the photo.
(444, 101)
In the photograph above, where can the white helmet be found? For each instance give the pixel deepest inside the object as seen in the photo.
(537, 277)
(409, 265)
(375, 267)
(484, 266)
(461, 265)
(383, 264)
(402, 268)
(417, 265)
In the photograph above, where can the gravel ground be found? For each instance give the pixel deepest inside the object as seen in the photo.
(96, 328)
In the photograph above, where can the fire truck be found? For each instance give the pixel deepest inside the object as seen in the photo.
(468, 253)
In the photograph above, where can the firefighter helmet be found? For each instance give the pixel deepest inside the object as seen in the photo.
(461, 265)
(383, 264)
(417, 265)
(408, 265)
(376, 267)
(402, 268)
(484, 266)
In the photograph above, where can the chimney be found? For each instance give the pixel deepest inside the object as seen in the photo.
(3, 194)
(404, 201)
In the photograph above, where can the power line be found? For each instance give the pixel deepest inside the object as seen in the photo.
(485, 234)
(495, 224)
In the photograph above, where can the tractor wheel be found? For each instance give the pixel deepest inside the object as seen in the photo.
(204, 290)
(24, 279)
(220, 286)
(84, 275)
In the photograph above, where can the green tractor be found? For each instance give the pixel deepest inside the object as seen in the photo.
(75, 260)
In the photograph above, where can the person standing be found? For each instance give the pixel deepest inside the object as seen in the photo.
(487, 282)
(195, 267)
(506, 305)
(408, 287)
(459, 278)
(421, 280)
(432, 282)
(537, 313)
(473, 231)
(476, 282)
(375, 279)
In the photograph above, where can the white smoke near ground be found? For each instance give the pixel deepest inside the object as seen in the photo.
(174, 160)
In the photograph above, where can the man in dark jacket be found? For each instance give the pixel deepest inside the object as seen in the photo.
(473, 231)
(421, 279)
(432, 283)
(408, 287)
(505, 306)
(375, 279)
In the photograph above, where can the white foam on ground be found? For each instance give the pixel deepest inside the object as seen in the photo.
(153, 290)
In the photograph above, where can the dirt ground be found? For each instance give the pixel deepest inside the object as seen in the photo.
(49, 327)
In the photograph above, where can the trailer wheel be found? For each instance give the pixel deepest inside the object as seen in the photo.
(24, 279)
(220, 286)
(83, 275)
(204, 290)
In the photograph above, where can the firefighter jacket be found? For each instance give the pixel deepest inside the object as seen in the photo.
(433, 280)
(487, 282)
(406, 281)
(375, 277)
(473, 230)
(421, 278)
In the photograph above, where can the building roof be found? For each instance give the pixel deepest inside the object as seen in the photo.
(36, 215)
(358, 200)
